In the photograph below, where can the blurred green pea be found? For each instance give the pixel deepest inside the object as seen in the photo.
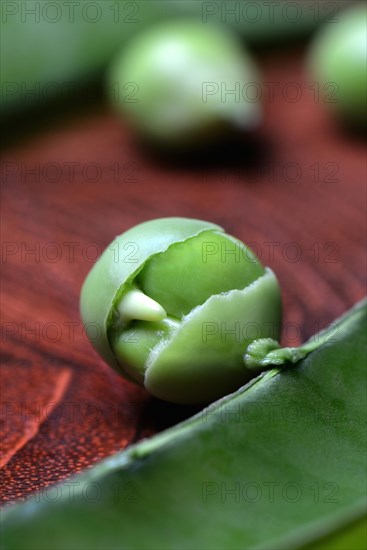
(338, 60)
(51, 50)
(185, 81)
(177, 302)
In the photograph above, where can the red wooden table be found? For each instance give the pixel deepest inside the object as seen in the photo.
(295, 192)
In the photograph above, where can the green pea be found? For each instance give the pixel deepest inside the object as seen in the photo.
(177, 302)
(181, 81)
(337, 60)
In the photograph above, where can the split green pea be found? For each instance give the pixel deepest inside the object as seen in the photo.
(177, 302)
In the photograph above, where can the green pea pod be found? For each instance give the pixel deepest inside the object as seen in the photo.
(176, 303)
(281, 464)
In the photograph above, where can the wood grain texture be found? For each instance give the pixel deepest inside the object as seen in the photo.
(295, 192)
(27, 416)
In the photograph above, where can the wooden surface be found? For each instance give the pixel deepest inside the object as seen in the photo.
(295, 192)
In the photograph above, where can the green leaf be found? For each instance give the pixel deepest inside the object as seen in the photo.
(281, 463)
